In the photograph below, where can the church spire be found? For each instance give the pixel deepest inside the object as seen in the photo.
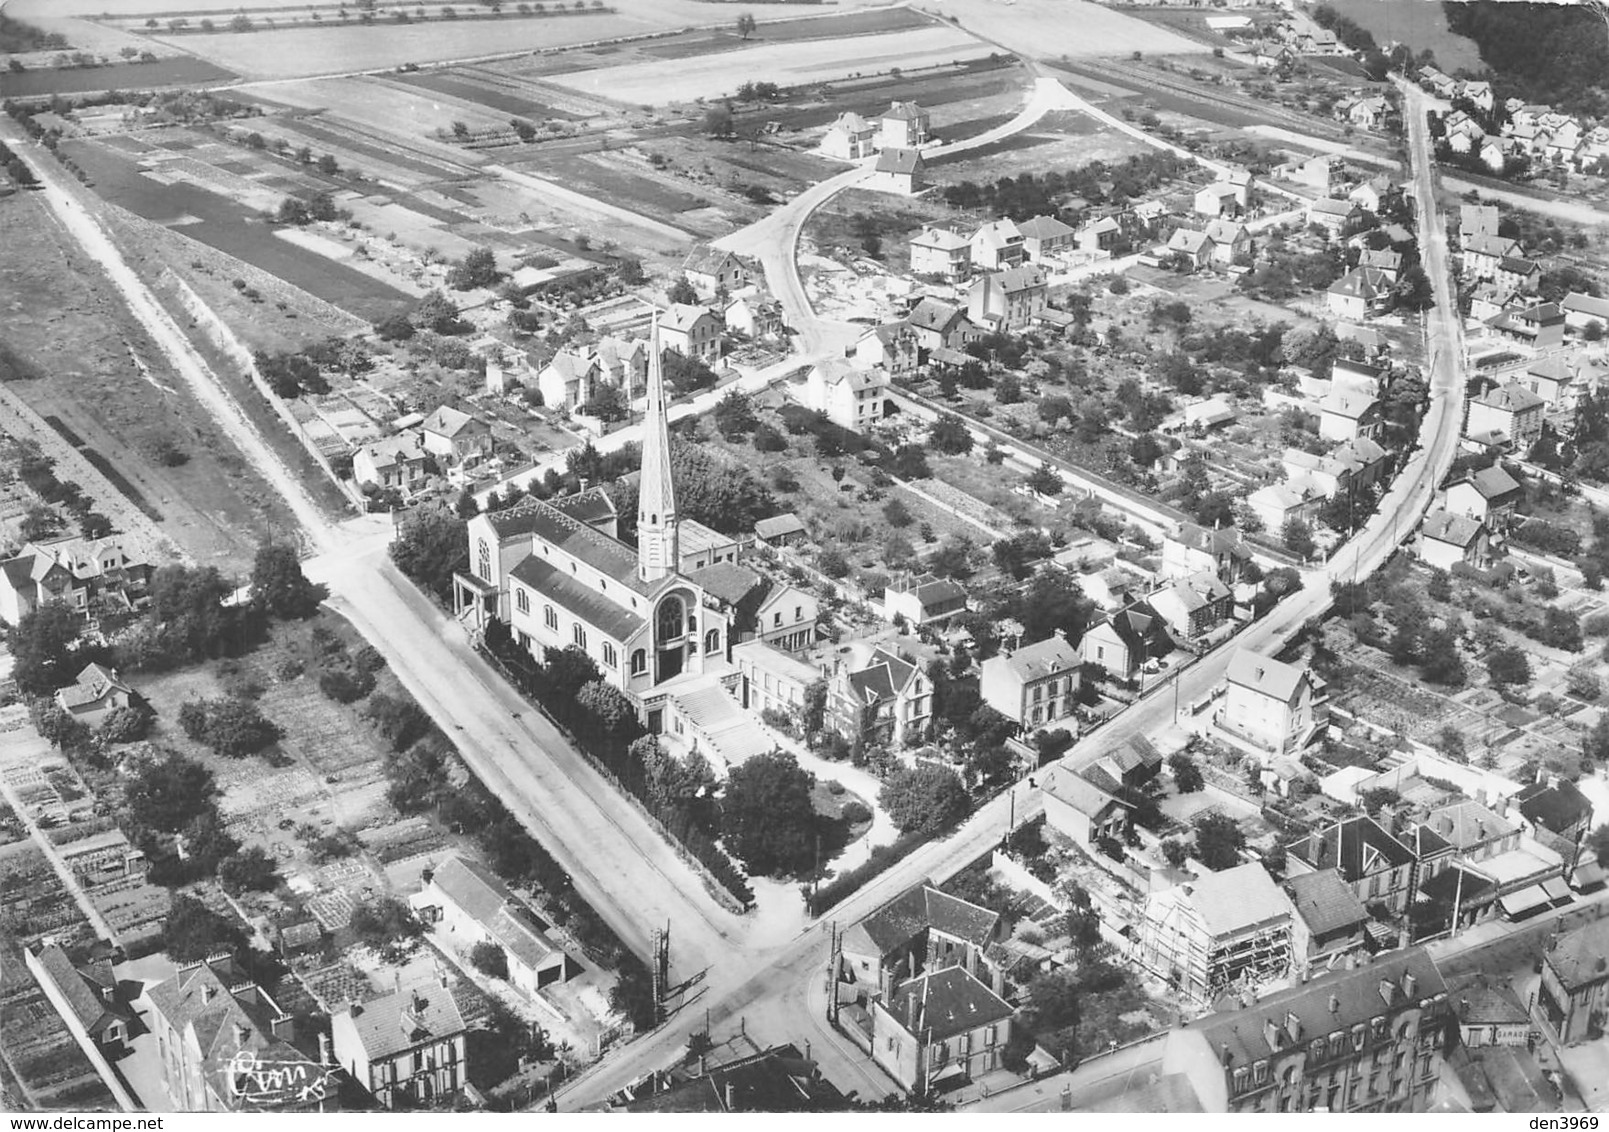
(658, 549)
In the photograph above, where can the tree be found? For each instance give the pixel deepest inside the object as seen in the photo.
(734, 415)
(949, 435)
(42, 648)
(489, 959)
(719, 121)
(477, 269)
(924, 799)
(327, 165)
(1451, 744)
(1176, 852)
(395, 328)
(430, 548)
(682, 292)
(1045, 480)
(745, 25)
(1599, 841)
(193, 931)
(249, 870)
(1507, 666)
(896, 514)
(387, 924)
(93, 525)
(1186, 774)
(1298, 537)
(435, 311)
(1218, 841)
(62, 729)
(568, 671)
(280, 587)
(767, 819)
(126, 724)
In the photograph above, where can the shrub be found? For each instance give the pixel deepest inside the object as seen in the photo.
(489, 959)
(855, 813)
(345, 686)
(126, 724)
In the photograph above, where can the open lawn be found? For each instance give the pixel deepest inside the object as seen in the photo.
(178, 70)
(382, 106)
(1061, 140)
(221, 223)
(793, 64)
(90, 365)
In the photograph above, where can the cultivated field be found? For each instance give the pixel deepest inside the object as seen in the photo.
(180, 70)
(791, 64)
(1049, 29)
(384, 107)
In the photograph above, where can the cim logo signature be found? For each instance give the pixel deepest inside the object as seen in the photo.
(259, 1082)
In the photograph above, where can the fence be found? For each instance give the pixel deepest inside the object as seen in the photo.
(716, 889)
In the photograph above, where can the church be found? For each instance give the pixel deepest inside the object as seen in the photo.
(557, 574)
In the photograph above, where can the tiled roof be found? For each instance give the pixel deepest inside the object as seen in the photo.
(1238, 898)
(944, 239)
(484, 898)
(1357, 847)
(590, 608)
(1078, 792)
(1328, 206)
(1455, 530)
(1325, 1005)
(1214, 541)
(1554, 808)
(1325, 902)
(1265, 674)
(1490, 244)
(1513, 397)
(1484, 1003)
(899, 161)
(682, 317)
(934, 314)
(852, 123)
(87, 1006)
(1042, 658)
(905, 917)
(726, 580)
(778, 525)
(448, 421)
(1493, 482)
(904, 112)
(707, 260)
(883, 678)
(556, 527)
(947, 1003)
(1020, 278)
(1187, 240)
(1468, 824)
(1581, 957)
(1044, 228)
(1578, 302)
(396, 1022)
(588, 506)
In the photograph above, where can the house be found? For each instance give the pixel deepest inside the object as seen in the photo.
(1218, 199)
(692, 332)
(920, 931)
(1192, 246)
(1007, 300)
(940, 1028)
(1506, 414)
(94, 694)
(850, 138)
(899, 171)
(1540, 326)
(210, 1016)
(1325, 172)
(1225, 929)
(1045, 237)
(1346, 414)
(1338, 218)
(1231, 242)
(1575, 982)
(1366, 112)
(1582, 310)
(923, 601)
(397, 462)
(1476, 833)
(1193, 606)
(997, 245)
(1487, 301)
(1320, 41)
(1329, 921)
(1369, 1039)
(905, 125)
(1384, 260)
(1518, 275)
(786, 529)
(1559, 816)
(1196, 548)
(1477, 220)
(1558, 380)
(941, 252)
(1377, 867)
(1480, 93)
(1447, 539)
(939, 325)
(1276, 504)
(81, 573)
(455, 437)
(1488, 496)
(1103, 234)
(623, 364)
(1035, 686)
(882, 700)
(891, 346)
(1082, 810)
(408, 1048)
(1489, 1013)
(1127, 641)
(849, 396)
(775, 1080)
(712, 271)
(1274, 706)
(1438, 83)
(84, 995)
(754, 316)
(1361, 292)
(470, 905)
(1321, 476)
(1483, 254)
(772, 680)
(568, 380)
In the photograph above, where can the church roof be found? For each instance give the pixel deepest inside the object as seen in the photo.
(577, 599)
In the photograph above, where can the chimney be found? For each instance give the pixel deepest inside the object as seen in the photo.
(729, 1093)
(910, 1012)
(1388, 990)
(1553, 782)
(1293, 1026)
(1408, 984)
(426, 876)
(324, 1057)
(242, 1034)
(1540, 776)
(208, 992)
(1067, 1098)
(1335, 1004)
(1271, 1034)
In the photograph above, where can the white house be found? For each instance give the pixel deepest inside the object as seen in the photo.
(850, 138)
(905, 125)
(469, 905)
(1276, 707)
(1034, 686)
(393, 462)
(1447, 539)
(851, 397)
(692, 332)
(941, 251)
(899, 171)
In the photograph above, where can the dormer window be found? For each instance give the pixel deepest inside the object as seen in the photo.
(1259, 1073)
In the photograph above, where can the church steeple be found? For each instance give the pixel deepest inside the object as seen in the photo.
(658, 548)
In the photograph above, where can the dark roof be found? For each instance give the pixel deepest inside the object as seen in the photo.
(1581, 957)
(899, 161)
(1357, 847)
(924, 907)
(1323, 1006)
(726, 580)
(589, 506)
(398, 1021)
(86, 1004)
(1424, 842)
(1325, 902)
(1483, 1003)
(775, 1080)
(1211, 540)
(1445, 887)
(882, 678)
(776, 526)
(947, 1003)
(1142, 629)
(552, 584)
(1554, 808)
(934, 314)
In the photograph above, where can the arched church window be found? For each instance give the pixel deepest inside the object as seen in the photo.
(712, 641)
(639, 662)
(669, 624)
(522, 600)
(484, 553)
